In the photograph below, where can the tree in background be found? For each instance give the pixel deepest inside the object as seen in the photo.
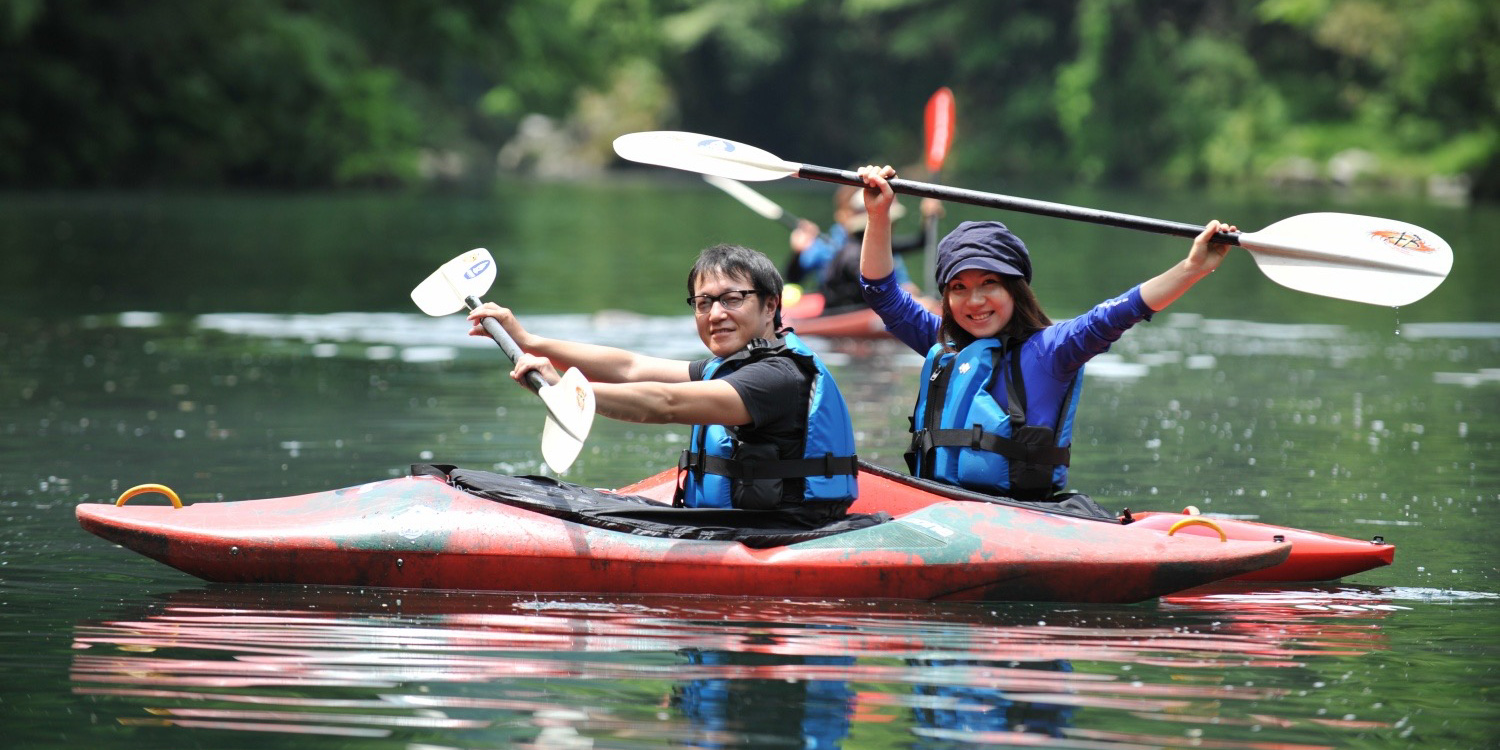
(344, 92)
(287, 93)
(1120, 91)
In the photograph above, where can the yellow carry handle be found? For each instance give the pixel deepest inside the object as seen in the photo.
(1198, 521)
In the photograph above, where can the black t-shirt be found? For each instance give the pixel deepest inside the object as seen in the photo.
(775, 391)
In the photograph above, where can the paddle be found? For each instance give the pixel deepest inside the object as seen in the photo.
(938, 128)
(771, 210)
(456, 285)
(753, 200)
(1345, 256)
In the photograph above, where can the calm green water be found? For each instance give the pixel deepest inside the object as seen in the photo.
(262, 345)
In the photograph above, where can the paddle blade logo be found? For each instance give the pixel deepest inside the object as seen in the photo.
(716, 144)
(476, 270)
(582, 398)
(1406, 242)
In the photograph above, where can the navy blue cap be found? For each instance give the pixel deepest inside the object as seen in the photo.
(986, 245)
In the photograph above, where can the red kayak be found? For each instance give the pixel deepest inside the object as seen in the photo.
(1315, 556)
(809, 317)
(423, 532)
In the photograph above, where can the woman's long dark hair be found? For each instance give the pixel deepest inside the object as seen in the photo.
(1026, 317)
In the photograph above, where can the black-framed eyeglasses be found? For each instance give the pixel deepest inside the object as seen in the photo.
(731, 300)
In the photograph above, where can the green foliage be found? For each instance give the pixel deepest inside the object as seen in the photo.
(1419, 84)
(358, 92)
(282, 92)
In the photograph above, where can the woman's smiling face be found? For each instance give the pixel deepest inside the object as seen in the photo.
(980, 303)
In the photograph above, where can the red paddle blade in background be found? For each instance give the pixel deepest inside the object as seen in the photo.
(940, 114)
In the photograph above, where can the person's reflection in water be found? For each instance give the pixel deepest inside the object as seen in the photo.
(739, 711)
(965, 709)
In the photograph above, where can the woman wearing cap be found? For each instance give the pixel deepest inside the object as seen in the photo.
(1000, 385)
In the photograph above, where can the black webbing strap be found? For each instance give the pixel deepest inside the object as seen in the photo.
(978, 439)
(828, 465)
(919, 454)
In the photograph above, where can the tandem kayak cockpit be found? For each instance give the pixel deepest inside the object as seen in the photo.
(1315, 556)
(633, 514)
(449, 528)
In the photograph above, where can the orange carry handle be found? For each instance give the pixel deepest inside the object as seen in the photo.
(142, 489)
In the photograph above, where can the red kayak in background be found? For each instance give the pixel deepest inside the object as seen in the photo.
(808, 317)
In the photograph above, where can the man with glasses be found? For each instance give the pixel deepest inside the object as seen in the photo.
(771, 431)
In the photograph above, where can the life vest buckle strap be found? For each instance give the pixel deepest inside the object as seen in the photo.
(692, 461)
(839, 465)
(828, 465)
(1014, 450)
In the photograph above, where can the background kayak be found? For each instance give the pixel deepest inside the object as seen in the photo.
(810, 318)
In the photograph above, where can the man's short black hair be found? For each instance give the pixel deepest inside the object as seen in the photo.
(740, 261)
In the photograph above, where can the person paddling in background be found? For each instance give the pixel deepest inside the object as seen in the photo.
(1001, 382)
(771, 431)
(834, 260)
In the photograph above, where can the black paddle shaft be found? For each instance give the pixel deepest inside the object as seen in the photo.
(1024, 205)
(507, 344)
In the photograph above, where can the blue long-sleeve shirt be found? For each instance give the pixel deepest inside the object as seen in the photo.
(1050, 359)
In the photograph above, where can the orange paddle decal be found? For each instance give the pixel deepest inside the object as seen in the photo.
(1407, 242)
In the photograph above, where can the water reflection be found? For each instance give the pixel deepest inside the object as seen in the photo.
(742, 697)
(454, 668)
(412, 337)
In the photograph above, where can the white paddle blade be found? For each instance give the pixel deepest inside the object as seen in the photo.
(704, 154)
(559, 449)
(570, 415)
(435, 297)
(443, 292)
(1352, 257)
(754, 201)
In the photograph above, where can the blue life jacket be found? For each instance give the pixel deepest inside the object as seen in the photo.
(962, 435)
(726, 472)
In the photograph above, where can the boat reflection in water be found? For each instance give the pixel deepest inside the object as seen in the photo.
(458, 668)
